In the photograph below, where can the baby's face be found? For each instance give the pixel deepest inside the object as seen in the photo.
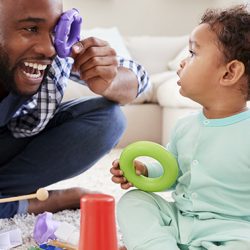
(200, 72)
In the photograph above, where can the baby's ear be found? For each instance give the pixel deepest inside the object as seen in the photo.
(233, 72)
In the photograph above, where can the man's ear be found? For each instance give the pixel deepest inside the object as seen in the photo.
(233, 72)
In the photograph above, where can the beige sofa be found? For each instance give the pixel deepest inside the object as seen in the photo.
(153, 114)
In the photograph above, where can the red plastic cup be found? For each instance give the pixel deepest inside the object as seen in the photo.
(98, 227)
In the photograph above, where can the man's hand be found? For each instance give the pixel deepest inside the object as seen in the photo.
(96, 63)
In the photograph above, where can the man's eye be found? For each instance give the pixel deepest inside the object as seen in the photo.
(32, 29)
(53, 33)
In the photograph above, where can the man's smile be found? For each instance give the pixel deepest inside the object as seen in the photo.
(29, 75)
(34, 70)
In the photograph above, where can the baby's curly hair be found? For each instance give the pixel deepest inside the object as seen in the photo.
(232, 27)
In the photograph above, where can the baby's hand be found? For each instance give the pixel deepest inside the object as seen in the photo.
(119, 178)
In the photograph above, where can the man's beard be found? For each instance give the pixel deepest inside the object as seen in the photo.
(7, 73)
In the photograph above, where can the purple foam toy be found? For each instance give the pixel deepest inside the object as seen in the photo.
(67, 32)
(45, 227)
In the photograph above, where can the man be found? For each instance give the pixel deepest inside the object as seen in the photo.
(43, 140)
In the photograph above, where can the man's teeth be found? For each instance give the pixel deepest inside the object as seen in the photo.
(39, 74)
(35, 65)
(33, 70)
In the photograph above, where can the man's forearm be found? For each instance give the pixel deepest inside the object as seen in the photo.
(124, 87)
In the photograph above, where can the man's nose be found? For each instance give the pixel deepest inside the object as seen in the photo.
(45, 46)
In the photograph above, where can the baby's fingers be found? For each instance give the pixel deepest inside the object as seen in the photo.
(115, 170)
(126, 185)
(118, 179)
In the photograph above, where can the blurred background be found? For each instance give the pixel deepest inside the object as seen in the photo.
(145, 17)
(155, 34)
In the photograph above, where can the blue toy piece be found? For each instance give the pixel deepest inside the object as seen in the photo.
(48, 247)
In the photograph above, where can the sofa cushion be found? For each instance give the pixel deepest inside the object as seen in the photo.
(150, 95)
(155, 52)
(175, 63)
(112, 36)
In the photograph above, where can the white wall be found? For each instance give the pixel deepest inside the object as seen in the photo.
(144, 17)
(226, 3)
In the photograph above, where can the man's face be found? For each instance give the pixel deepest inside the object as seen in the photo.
(26, 42)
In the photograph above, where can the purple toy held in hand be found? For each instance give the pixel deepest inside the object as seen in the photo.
(67, 32)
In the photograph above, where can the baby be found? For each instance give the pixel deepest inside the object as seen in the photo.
(211, 208)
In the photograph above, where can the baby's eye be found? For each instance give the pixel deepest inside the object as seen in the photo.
(191, 53)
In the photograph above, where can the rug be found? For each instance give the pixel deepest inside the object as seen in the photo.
(96, 178)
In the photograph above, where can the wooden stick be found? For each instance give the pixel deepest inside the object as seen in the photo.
(41, 194)
(63, 245)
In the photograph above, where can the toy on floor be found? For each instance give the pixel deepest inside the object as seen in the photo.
(61, 245)
(67, 233)
(153, 150)
(67, 32)
(41, 194)
(98, 227)
(54, 245)
(46, 228)
(45, 247)
(10, 238)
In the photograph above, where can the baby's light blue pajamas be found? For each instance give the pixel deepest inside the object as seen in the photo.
(211, 208)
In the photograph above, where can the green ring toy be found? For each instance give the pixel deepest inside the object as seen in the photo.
(155, 151)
